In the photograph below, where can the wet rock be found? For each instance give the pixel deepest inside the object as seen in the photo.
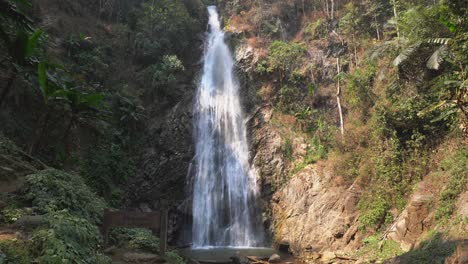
(139, 257)
(275, 258)
(235, 260)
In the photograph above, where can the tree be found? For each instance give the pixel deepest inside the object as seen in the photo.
(163, 25)
(82, 107)
(20, 46)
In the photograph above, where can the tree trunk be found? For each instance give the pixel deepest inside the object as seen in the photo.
(355, 51)
(67, 133)
(377, 28)
(395, 14)
(326, 8)
(67, 130)
(8, 86)
(42, 125)
(338, 99)
(303, 9)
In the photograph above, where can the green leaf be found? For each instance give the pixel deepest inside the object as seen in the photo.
(431, 108)
(94, 99)
(42, 75)
(32, 43)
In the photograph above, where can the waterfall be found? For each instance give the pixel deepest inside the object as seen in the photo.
(225, 189)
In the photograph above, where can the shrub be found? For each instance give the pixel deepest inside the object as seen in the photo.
(284, 57)
(15, 251)
(108, 167)
(316, 152)
(358, 87)
(316, 30)
(164, 25)
(423, 22)
(289, 99)
(374, 209)
(162, 78)
(137, 238)
(68, 239)
(287, 149)
(53, 190)
(376, 249)
(11, 214)
(172, 257)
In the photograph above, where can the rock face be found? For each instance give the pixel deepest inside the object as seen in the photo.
(414, 220)
(268, 157)
(309, 213)
(305, 211)
(168, 156)
(460, 255)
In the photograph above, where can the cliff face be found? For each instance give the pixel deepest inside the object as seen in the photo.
(320, 206)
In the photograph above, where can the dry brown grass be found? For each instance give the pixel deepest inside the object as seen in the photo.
(239, 23)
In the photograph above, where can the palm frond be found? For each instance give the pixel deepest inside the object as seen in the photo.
(441, 41)
(406, 53)
(437, 57)
(377, 51)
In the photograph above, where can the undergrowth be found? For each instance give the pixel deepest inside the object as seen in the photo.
(457, 166)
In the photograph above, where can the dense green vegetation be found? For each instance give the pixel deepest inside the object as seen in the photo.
(75, 95)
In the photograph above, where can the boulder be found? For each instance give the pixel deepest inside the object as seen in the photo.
(328, 257)
(275, 258)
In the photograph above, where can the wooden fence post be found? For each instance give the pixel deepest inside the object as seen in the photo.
(163, 232)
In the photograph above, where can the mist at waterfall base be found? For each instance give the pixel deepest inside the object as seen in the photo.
(224, 189)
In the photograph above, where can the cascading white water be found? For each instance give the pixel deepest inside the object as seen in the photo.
(224, 191)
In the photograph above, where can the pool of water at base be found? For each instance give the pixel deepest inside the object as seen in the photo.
(224, 254)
